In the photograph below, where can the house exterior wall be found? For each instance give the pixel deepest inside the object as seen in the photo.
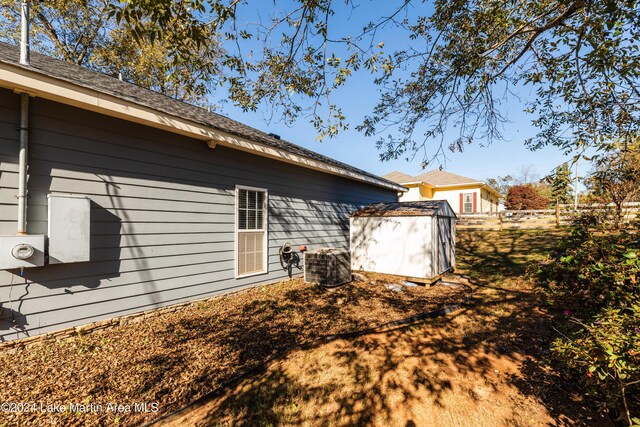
(426, 193)
(484, 198)
(416, 193)
(453, 196)
(485, 201)
(162, 215)
(413, 195)
(489, 202)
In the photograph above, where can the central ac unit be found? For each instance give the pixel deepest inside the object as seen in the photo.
(327, 266)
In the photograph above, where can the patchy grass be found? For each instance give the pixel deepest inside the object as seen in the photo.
(486, 365)
(175, 358)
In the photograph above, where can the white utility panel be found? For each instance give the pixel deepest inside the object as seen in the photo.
(69, 228)
(21, 251)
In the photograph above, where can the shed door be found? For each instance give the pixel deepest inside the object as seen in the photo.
(445, 249)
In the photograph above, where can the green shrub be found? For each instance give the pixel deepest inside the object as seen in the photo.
(606, 352)
(593, 280)
(594, 269)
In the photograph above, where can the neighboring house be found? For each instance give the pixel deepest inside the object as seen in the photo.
(184, 203)
(465, 195)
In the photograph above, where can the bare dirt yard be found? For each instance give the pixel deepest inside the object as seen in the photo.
(175, 358)
(484, 365)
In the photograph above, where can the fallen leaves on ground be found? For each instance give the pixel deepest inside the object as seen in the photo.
(487, 364)
(175, 358)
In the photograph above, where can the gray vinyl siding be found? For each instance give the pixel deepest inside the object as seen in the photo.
(162, 215)
(9, 142)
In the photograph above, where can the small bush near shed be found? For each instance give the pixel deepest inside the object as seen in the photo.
(593, 280)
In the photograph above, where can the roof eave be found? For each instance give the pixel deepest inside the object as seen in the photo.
(27, 80)
(492, 190)
(480, 183)
(463, 184)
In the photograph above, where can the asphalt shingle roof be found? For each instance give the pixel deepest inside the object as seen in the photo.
(106, 84)
(438, 177)
(434, 177)
(399, 177)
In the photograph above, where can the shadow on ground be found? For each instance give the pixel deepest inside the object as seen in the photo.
(484, 366)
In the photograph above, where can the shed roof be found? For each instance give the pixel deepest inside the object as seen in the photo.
(103, 83)
(422, 208)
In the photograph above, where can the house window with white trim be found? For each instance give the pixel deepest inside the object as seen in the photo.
(467, 206)
(251, 231)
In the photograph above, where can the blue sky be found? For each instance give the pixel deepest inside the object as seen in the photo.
(358, 97)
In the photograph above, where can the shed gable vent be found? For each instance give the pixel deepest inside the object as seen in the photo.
(327, 266)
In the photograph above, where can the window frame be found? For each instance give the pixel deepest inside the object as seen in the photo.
(265, 229)
(464, 202)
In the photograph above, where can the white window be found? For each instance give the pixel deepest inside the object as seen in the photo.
(251, 231)
(467, 203)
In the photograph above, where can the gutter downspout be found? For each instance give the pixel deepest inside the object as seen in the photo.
(23, 156)
(23, 165)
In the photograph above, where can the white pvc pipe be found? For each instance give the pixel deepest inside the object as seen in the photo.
(24, 36)
(23, 155)
(23, 164)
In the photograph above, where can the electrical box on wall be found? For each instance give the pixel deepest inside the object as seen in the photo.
(21, 251)
(69, 228)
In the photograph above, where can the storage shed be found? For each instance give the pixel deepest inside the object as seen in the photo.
(410, 239)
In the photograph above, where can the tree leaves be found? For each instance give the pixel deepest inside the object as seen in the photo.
(560, 183)
(524, 197)
(178, 60)
(461, 66)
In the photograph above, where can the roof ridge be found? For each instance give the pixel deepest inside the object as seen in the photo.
(446, 172)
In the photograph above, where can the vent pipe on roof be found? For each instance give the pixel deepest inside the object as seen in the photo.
(23, 155)
(24, 35)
